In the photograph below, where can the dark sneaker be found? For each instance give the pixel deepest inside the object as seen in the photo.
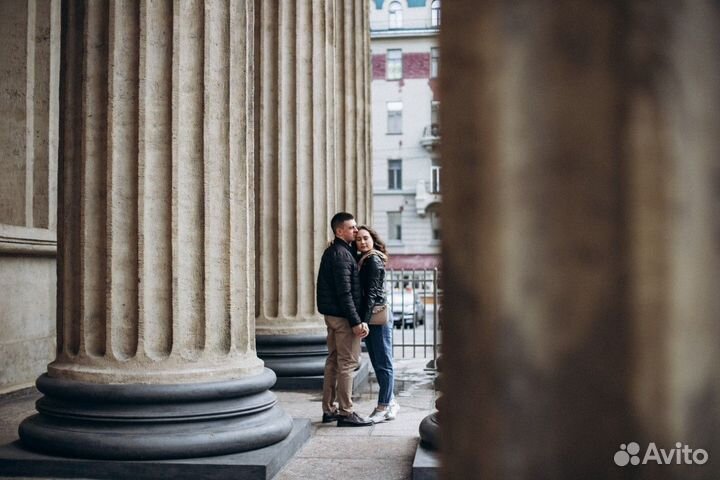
(353, 420)
(331, 417)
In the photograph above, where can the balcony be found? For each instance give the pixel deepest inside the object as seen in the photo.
(425, 196)
(430, 139)
(410, 28)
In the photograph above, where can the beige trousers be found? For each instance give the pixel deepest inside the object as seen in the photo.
(342, 361)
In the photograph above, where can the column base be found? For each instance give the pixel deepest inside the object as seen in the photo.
(293, 356)
(360, 380)
(258, 464)
(426, 464)
(148, 422)
(430, 432)
(299, 361)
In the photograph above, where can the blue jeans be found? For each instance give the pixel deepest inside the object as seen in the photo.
(380, 350)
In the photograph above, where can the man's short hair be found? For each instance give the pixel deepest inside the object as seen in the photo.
(339, 218)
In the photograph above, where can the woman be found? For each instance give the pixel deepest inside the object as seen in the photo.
(379, 341)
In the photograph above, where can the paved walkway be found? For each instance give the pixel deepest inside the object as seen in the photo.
(384, 451)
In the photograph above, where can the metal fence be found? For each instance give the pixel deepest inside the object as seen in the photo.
(415, 304)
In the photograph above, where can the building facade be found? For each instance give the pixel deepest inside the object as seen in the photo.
(405, 129)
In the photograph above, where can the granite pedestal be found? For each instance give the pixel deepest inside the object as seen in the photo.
(426, 464)
(263, 463)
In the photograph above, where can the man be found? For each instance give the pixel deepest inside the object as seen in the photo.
(338, 298)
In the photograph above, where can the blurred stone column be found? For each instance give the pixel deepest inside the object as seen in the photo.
(672, 167)
(580, 236)
(430, 425)
(314, 158)
(156, 353)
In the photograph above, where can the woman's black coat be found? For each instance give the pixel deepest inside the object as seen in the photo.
(372, 282)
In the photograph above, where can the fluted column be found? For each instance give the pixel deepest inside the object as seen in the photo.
(351, 83)
(349, 86)
(580, 237)
(156, 249)
(365, 140)
(313, 162)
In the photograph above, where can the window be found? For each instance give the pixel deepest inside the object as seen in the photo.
(395, 225)
(435, 179)
(434, 215)
(434, 62)
(395, 15)
(434, 113)
(393, 67)
(394, 174)
(435, 13)
(394, 119)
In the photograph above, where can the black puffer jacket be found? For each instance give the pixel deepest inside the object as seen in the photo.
(372, 281)
(338, 283)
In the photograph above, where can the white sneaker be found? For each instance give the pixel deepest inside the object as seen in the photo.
(392, 411)
(379, 416)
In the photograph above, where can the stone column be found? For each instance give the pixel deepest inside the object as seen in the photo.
(314, 158)
(580, 236)
(156, 353)
(351, 79)
(430, 425)
(672, 209)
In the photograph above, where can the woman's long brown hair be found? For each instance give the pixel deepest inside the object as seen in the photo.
(378, 242)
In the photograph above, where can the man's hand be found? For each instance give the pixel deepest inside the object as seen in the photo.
(361, 330)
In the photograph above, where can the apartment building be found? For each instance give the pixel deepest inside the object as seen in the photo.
(405, 129)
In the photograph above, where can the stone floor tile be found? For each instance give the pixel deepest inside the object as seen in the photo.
(355, 469)
(332, 430)
(367, 447)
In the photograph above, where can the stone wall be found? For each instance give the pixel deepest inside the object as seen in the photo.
(29, 50)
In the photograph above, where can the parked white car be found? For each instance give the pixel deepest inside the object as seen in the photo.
(406, 308)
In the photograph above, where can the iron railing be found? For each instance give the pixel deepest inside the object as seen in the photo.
(415, 302)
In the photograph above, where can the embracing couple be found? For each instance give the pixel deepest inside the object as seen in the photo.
(351, 295)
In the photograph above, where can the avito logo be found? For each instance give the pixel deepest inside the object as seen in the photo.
(680, 455)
